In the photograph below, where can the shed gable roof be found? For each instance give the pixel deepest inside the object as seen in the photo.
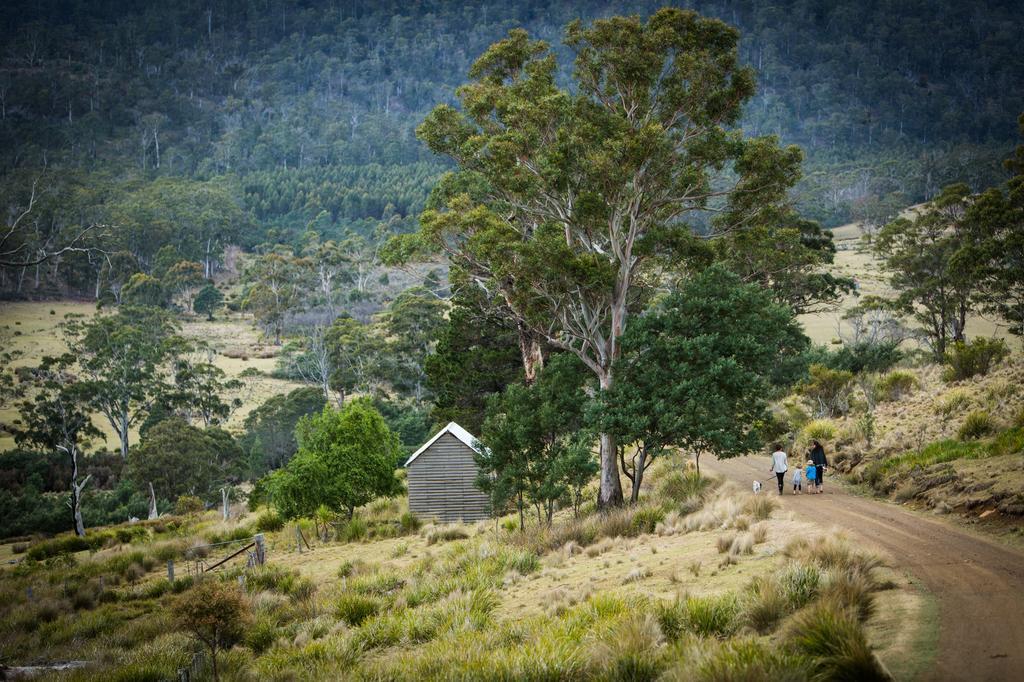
(462, 434)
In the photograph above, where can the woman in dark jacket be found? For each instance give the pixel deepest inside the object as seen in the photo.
(820, 462)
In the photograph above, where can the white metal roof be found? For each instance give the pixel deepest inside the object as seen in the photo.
(454, 429)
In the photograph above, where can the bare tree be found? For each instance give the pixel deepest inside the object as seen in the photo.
(21, 247)
(314, 364)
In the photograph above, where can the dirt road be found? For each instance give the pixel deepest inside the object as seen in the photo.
(979, 584)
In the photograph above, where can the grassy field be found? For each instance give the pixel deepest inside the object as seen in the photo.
(708, 583)
(33, 330)
(852, 260)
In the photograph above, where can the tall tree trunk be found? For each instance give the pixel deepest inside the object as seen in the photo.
(123, 435)
(153, 513)
(76, 492)
(610, 492)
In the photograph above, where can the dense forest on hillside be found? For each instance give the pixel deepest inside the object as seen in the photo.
(282, 117)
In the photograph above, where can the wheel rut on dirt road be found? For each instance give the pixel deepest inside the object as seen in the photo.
(978, 583)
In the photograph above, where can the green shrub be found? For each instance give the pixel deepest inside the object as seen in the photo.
(354, 530)
(261, 636)
(895, 385)
(409, 523)
(645, 519)
(828, 389)
(977, 424)
(740, 660)
(188, 504)
(269, 522)
(630, 649)
(833, 639)
(355, 608)
(965, 360)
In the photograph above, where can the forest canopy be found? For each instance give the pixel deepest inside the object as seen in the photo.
(303, 113)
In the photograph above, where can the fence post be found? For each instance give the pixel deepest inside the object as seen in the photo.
(170, 570)
(261, 550)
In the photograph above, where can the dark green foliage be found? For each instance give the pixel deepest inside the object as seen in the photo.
(270, 428)
(864, 357)
(534, 451)
(408, 420)
(207, 301)
(476, 356)
(268, 522)
(965, 360)
(696, 371)
(346, 458)
(179, 459)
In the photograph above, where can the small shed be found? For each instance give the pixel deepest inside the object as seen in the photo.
(441, 477)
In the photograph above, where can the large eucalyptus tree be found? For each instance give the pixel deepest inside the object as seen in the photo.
(567, 200)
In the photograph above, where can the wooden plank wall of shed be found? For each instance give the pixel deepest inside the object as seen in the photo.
(441, 486)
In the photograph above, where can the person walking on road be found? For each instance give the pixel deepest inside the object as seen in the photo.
(820, 462)
(779, 465)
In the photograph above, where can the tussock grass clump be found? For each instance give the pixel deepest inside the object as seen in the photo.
(681, 487)
(977, 424)
(275, 578)
(724, 542)
(720, 512)
(769, 599)
(446, 534)
(760, 507)
(353, 530)
(896, 385)
(354, 608)
(832, 638)
(833, 554)
(851, 590)
(742, 544)
(631, 649)
(706, 616)
(736, 660)
(953, 402)
(637, 574)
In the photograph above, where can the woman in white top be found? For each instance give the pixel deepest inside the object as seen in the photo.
(779, 465)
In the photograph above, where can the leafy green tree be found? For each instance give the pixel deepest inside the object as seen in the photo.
(936, 265)
(181, 459)
(57, 418)
(999, 214)
(183, 278)
(216, 613)
(534, 452)
(346, 459)
(475, 357)
(270, 428)
(143, 290)
(198, 389)
(124, 361)
(274, 288)
(356, 355)
(411, 322)
(208, 300)
(789, 258)
(697, 371)
(589, 189)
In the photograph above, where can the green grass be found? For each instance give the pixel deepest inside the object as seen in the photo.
(1008, 442)
(832, 638)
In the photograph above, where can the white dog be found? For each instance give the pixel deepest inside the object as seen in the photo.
(757, 487)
